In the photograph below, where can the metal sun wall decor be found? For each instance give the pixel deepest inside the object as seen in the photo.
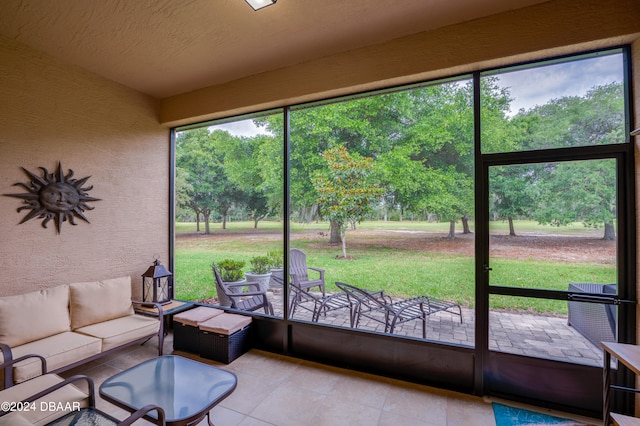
(54, 196)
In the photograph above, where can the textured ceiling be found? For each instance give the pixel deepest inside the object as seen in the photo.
(167, 47)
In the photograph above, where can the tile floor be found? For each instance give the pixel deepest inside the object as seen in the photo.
(279, 390)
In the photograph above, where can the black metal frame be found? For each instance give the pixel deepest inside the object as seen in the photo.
(466, 369)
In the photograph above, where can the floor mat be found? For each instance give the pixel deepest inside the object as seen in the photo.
(512, 416)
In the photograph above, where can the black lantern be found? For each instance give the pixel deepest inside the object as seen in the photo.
(157, 284)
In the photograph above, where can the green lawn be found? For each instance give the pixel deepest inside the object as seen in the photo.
(400, 272)
(497, 226)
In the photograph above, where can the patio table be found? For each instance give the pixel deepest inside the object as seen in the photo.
(186, 389)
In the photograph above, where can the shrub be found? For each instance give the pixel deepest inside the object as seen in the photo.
(231, 270)
(260, 265)
(276, 257)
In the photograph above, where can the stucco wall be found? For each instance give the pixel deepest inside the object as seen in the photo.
(51, 112)
(556, 27)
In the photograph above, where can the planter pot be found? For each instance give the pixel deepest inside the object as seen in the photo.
(277, 278)
(223, 300)
(261, 279)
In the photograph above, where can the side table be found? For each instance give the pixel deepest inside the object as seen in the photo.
(168, 310)
(628, 355)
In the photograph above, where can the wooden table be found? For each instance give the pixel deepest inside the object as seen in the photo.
(628, 355)
(620, 420)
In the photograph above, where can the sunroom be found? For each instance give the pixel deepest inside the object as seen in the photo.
(488, 163)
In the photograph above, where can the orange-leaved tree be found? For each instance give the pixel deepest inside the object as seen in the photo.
(346, 189)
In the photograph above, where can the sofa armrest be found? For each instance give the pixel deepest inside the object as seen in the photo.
(9, 361)
(157, 306)
(7, 355)
(92, 401)
(72, 379)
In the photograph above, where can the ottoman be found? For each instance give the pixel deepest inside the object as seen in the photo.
(225, 337)
(185, 327)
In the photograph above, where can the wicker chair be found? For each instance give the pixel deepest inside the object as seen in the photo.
(251, 300)
(300, 272)
(595, 321)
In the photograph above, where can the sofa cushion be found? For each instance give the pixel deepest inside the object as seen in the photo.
(59, 350)
(197, 315)
(14, 419)
(120, 331)
(225, 323)
(68, 394)
(32, 316)
(94, 302)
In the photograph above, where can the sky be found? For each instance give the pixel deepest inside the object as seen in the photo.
(528, 88)
(241, 128)
(537, 86)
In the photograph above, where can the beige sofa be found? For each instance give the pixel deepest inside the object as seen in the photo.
(71, 324)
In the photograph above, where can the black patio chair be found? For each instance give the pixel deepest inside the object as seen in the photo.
(380, 308)
(245, 296)
(318, 304)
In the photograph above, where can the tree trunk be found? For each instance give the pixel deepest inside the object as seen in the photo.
(224, 221)
(512, 230)
(334, 237)
(205, 217)
(465, 224)
(452, 230)
(343, 234)
(197, 212)
(609, 232)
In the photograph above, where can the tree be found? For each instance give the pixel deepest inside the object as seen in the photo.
(421, 140)
(580, 191)
(184, 192)
(256, 202)
(438, 142)
(248, 164)
(346, 191)
(195, 156)
(511, 191)
(577, 191)
(198, 153)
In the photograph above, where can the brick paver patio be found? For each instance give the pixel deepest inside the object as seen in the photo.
(518, 333)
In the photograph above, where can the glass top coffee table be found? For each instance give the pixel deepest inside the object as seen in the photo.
(184, 388)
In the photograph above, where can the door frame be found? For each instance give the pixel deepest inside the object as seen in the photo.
(525, 378)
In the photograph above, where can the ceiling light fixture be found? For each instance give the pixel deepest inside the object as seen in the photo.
(259, 4)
